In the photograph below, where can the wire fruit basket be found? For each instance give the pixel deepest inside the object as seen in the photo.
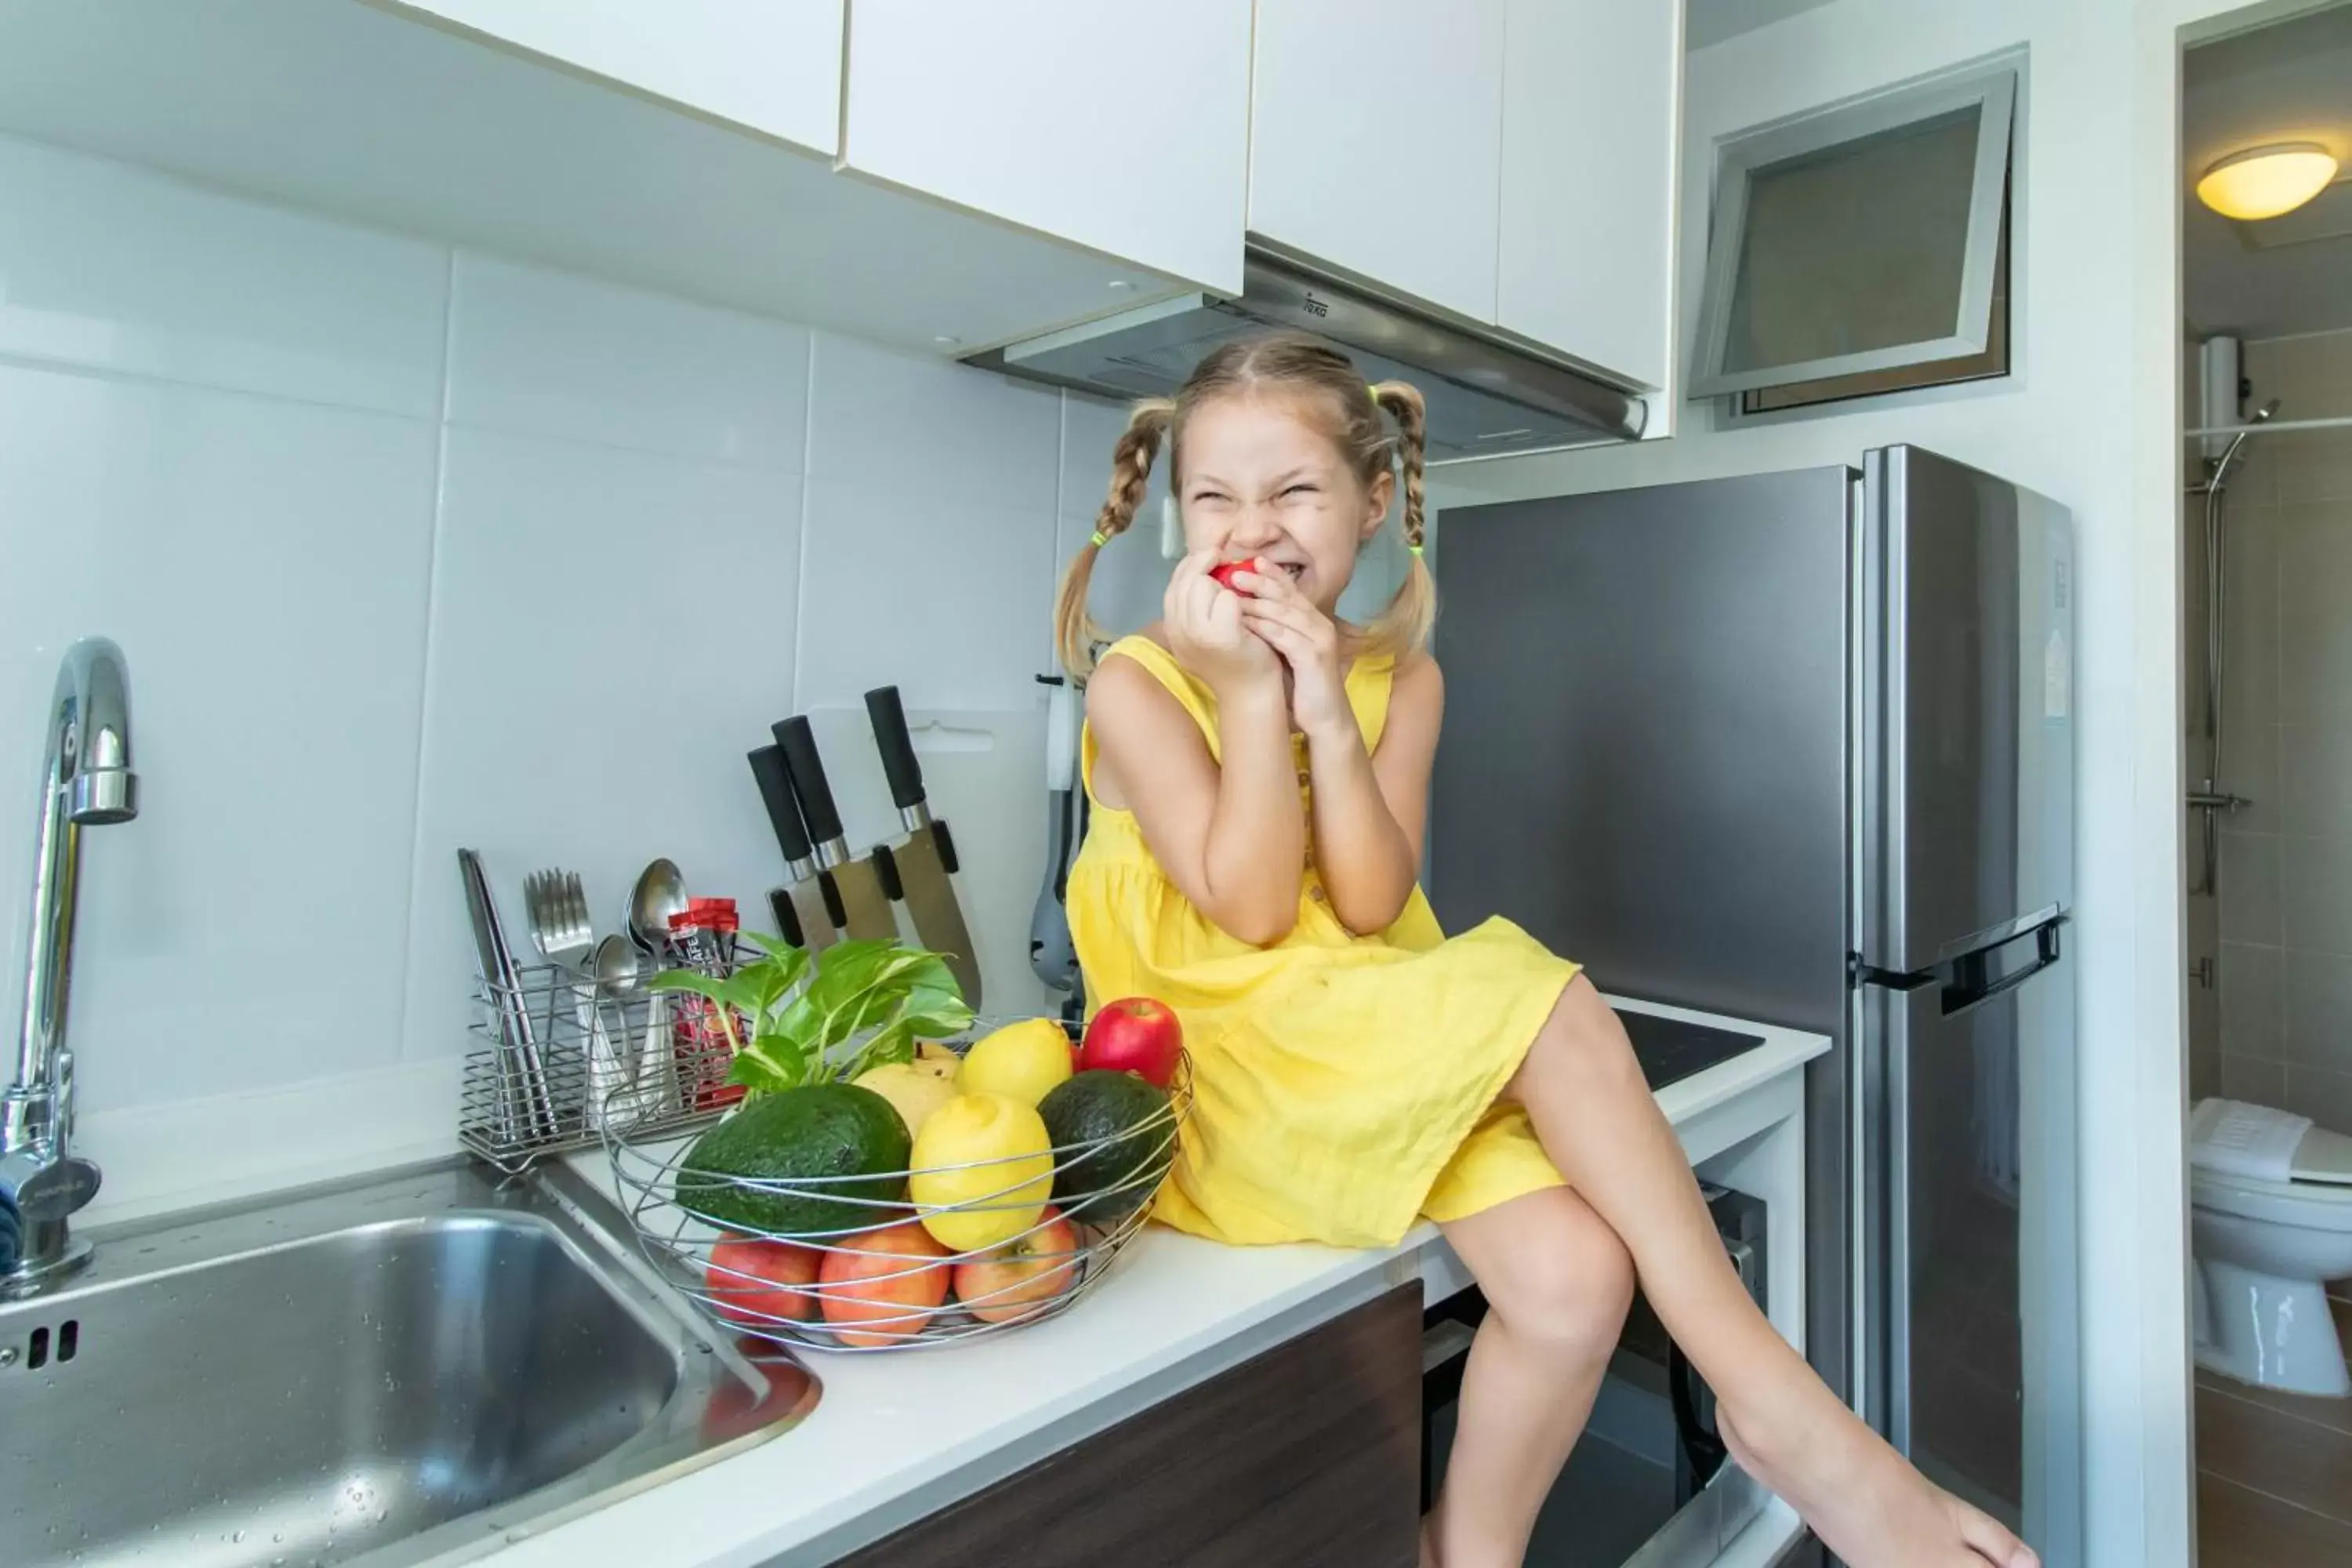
(884, 1282)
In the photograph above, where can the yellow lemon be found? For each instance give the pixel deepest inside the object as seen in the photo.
(983, 1169)
(911, 1091)
(1021, 1061)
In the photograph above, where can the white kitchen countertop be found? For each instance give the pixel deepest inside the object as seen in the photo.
(898, 1437)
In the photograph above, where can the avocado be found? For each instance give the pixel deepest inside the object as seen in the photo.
(1130, 1117)
(818, 1133)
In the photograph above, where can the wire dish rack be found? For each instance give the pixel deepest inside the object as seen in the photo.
(558, 1060)
(883, 1283)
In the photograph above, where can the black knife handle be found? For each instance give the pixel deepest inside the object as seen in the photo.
(784, 811)
(899, 763)
(886, 871)
(788, 919)
(835, 910)
(798, 743)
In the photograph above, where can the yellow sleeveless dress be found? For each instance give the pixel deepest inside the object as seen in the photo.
(1343, 1085)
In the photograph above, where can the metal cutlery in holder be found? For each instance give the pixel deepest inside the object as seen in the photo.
(557, 1059)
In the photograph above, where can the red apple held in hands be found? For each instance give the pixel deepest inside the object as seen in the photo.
(1137, 1035)
(755, 1282)
(1221, 574)
(1010, 1282)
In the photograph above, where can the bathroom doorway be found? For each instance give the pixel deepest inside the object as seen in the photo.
(2266, 523)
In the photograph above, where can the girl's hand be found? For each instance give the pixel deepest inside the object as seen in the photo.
(1288, 621)
(1207, 633)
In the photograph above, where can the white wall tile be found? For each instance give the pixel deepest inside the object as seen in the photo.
(263, 564)
(550, 354)
(2314, 784)
(2316, 1018)
(2323, 1096)
(927, 429)
(110, 268)
(2314, 616)
(2255, 1081)
(2315, 894)
(2249, 888)
(612, 631)
(2311, 465)
(950, 599)
(2253, 978)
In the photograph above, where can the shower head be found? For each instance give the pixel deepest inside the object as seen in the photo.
(2262, 416)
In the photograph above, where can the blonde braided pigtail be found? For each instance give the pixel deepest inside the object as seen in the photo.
(1404, 626)
(1075, 632)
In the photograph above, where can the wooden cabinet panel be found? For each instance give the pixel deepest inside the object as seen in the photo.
(1307, 1456)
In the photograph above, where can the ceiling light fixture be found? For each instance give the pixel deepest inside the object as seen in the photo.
(2263, 181)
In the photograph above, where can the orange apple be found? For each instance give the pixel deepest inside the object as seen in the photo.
(883, 1280)
(754, 1282)
(1015, 1279)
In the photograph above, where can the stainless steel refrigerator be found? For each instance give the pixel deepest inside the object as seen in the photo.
(1798, 748)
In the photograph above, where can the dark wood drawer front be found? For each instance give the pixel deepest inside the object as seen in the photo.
(1307, 1456)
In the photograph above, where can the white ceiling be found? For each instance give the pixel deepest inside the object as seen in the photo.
(1712, 21)
(2292, 82)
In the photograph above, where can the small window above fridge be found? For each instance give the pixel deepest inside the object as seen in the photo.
(1862, 248)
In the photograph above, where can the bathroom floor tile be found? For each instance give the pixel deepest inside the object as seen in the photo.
(2238, 1527)
(2336, 1414)
(2281, 1455)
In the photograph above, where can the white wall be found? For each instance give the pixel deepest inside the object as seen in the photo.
(2095, 233)
(410, 550)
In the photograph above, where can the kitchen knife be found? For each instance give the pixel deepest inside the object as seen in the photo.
(526, 1109)
(1052, 957)
(864, 908)
(814, 901)
(924, 858)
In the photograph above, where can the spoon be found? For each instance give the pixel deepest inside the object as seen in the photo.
(614, 971)
(660, 893)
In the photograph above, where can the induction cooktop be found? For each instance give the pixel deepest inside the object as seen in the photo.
(1670, 1050)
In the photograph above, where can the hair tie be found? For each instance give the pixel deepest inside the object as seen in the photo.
(1413, 550)
(1100, 539)
(1374, 388)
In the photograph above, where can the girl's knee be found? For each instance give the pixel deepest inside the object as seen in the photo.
(1570, 1281)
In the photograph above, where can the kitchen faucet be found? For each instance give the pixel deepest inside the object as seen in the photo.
(86, 781)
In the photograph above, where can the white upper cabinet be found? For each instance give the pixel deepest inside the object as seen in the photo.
(1376, 140)
(1118, 125)
(1591, 111)
(773, 66)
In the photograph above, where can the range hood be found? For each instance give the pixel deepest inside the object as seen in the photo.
(1489, 394)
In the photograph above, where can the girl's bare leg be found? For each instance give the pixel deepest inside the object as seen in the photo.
(1557, 1282)
(1584, 1091)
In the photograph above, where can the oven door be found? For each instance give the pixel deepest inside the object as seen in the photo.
(1649, 1484)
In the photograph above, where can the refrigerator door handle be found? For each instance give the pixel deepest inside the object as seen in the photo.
(1974, 981)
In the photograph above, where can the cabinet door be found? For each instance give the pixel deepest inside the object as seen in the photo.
(1118, 124)
(1591, 129)
(1307, 1457)
(1376, 140)
(773, 66)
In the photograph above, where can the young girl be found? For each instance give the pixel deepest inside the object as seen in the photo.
(1260, 775)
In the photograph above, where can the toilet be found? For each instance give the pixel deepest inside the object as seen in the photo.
(2264, 1249)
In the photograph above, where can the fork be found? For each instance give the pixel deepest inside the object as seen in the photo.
(558, 911)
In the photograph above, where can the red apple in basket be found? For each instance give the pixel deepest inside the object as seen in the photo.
(879, 1286)
(1136, 1034)
(1011, 1281)
(754, 1282)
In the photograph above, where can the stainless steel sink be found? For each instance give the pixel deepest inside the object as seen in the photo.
(413, 1369)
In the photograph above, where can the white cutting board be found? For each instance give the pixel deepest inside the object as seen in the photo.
(984, 772)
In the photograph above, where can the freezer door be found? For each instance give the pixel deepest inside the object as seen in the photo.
(1966, 748)
(1979, 1328)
